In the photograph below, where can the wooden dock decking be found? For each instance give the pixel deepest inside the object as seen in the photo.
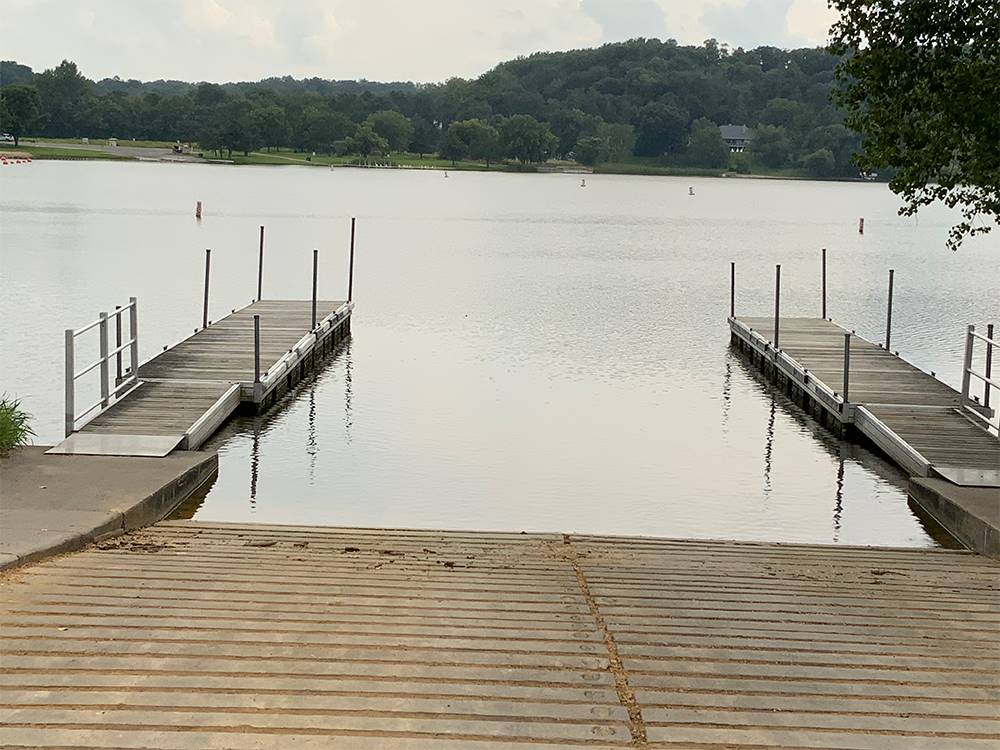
(187, 391)
(194, 635)
(910, 415)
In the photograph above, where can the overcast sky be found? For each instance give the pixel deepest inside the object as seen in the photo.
(418, 40)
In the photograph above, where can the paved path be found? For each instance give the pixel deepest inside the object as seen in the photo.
(51, 504)
(191, 635)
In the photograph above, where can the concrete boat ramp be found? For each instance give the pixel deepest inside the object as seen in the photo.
(195, 635)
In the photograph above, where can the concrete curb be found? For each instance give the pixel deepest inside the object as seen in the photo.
(968, 513)
(144, 512)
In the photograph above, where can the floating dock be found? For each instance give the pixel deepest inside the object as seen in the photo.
(196, 635)
(912, 417)
(180, 397)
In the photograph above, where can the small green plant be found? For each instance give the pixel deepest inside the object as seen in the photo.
(15, 432)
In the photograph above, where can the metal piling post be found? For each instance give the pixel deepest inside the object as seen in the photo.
(315, 265)
(847, 366)
(208, 268)
(70, 410)
(260, 265)
(133, 329)
(118, 345)
(777, 301)
(888, 313)
(732, 289)
(989, 364)
(103, 332)
(824, 284)
(350, 273)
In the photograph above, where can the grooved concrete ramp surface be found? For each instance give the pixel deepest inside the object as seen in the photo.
(191, 635)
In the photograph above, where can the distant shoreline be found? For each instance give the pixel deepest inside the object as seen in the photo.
(63, 151)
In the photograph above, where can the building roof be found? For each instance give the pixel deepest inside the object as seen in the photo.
(735, 132)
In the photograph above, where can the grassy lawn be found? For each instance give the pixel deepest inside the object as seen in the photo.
(50, 152)
(101, 142)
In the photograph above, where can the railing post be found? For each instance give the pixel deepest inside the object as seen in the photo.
(350, 272)
(967, 364)
(70, 410)
(208, 267)
(989, 364)
(133, 329)
(118, 345)
(732, 289)
(847, 366)
(777, 301)
(260, 265)
(315, 268)
(824, 284)
(103, 331)
(888, 313)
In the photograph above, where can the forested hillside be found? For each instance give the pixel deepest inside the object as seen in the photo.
(641, 100)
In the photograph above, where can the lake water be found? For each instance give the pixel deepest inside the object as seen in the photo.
(527, 354)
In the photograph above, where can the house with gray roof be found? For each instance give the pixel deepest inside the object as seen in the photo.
(737, 137)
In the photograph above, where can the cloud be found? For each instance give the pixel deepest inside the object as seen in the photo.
(627, 19)
(419, 40)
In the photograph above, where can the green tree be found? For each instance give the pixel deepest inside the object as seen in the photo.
(706, 147)
(271, 124)
(366, 142)
(819, 163)
(395, 127)
(426, 137)
(320, 129)
(660, 128)
(526, 139)
(920, 80)
(591, 150)
(481, 140)
(620, 139)
(453, 146)
(63, 94)
(771, 146)
(19, 110)
(568, 124)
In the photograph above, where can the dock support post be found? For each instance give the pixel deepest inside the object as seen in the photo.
(777, 301)
(256, 354)
(732, 289)
(118, 346)
(315, 267)
(133, 329)
(824, 284)
(208, 268)
(350, 272)
(967, 365)
(103, 333)
(70, 410)
(989, 364)
(260, 265)
(847, 366)
(888, 313)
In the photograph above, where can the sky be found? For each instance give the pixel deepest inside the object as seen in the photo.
(383, 40)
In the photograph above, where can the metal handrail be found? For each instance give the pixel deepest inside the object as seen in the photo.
(971, 404)
(106, 355)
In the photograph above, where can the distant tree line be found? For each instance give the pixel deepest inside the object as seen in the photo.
(647, 99)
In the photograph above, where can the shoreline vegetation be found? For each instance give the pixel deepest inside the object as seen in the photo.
(72, 149)
(643, 106)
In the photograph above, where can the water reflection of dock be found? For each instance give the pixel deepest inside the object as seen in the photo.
(249, 636)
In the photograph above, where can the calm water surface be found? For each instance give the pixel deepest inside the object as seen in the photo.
(527, 354)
